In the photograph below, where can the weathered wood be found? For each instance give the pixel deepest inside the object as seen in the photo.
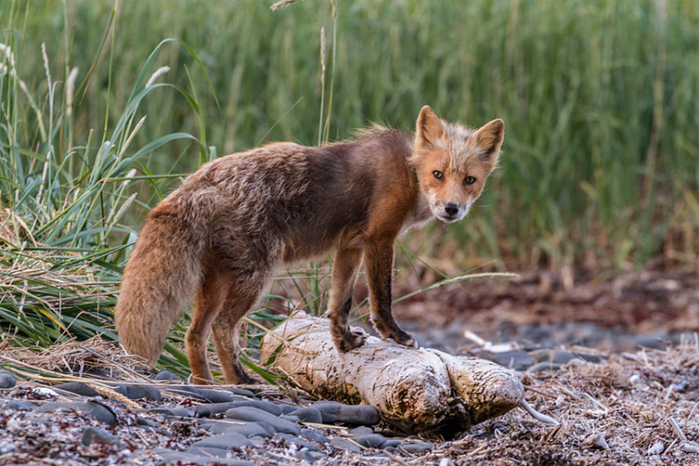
(418, 390)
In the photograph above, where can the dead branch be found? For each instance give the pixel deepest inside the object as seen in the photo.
(424, 390)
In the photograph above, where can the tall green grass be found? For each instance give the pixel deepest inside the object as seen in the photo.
(599, 98)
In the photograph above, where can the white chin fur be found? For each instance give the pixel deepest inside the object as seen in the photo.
(447, 219)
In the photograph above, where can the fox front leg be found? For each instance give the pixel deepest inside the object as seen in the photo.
(379, 266)
(345, 269)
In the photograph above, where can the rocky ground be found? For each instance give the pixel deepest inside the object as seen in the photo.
(637, 408)
(168, 421)
(576, 349)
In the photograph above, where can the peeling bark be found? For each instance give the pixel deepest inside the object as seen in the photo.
(418, 390)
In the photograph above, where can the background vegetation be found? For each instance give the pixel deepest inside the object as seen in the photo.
(599, 97)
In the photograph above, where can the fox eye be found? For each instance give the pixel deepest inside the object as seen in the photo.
(469, 180)
(437, 174)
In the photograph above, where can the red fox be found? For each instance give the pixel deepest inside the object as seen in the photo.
(223, 233)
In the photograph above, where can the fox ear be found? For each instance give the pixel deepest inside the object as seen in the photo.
(489, 139)
(429, 128)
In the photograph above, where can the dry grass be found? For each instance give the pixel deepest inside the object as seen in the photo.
(90, 360)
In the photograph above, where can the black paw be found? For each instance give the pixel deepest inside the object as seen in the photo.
(392, 331)
(238, 376)
(247, 380)
(404, 338)
(350, 340)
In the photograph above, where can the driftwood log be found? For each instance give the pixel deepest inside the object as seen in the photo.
(421, 391)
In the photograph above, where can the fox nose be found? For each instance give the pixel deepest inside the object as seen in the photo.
(451, 209)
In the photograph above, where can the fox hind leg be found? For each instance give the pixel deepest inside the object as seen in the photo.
(209, 298)
(245, 260)
(223, 299)
(239, 299)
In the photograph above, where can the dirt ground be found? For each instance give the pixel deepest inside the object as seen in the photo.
(549, 309)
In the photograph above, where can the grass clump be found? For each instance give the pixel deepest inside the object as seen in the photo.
(62, 240)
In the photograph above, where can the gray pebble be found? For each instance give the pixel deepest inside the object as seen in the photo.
(248, 429)
(292, 439)
(345, 444)
(78, 388)
(288, 408)
(139, 392)
(7, 379)
(361, 430)
(219, 445)
(173, 457)
(329, 410)
(257, 441)
(277, 458)
(290, 418)
(317, 454)
(242, 392)
(96, 411)
(210, 452)
(651, 340)
(593, 358)
(370, 440)
(207, 395)
(314, 435)
(515, 359)
(359, 415)
(251, 414)
(41, 421)
(154, 430)
(202, 411)
(206, 410)
(21, 404)
(392, 443)
(146, 422)
(216, 396)
(553, 356)
(598, 441)
(91, 434)
(348, 414)
(544, 366)
(268, 406)
(417, 448)
(167, 376)
(308, 415)
(174, 412)
(306, 455)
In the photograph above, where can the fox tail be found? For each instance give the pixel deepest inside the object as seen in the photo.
(162, 272)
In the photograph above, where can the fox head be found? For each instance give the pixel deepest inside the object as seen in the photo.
(453, 162)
